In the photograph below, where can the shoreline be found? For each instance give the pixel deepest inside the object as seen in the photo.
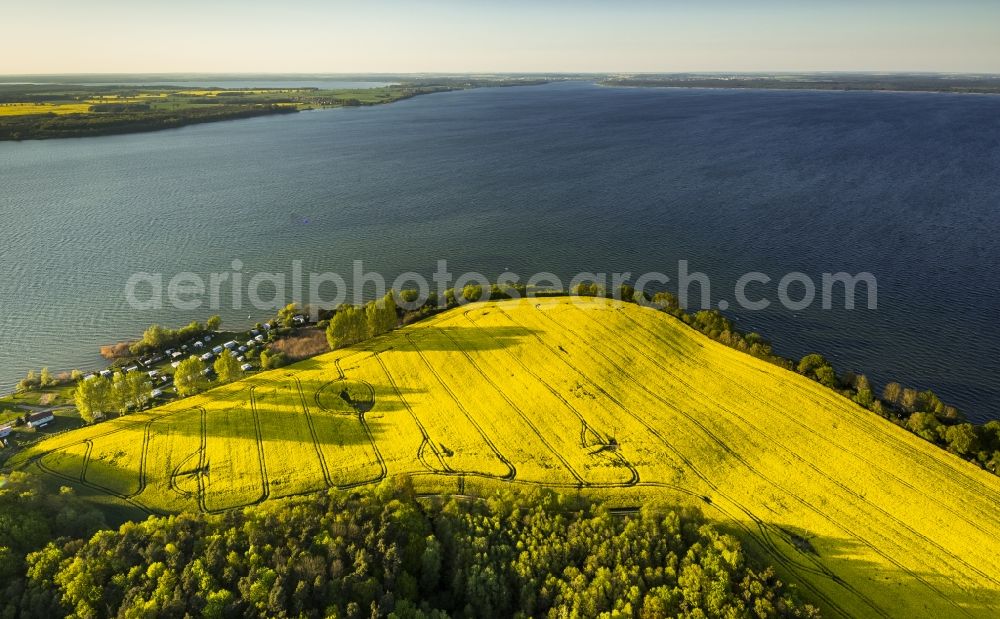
(140, 114)
(786, 89)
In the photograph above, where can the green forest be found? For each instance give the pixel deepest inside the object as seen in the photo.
(381, 552)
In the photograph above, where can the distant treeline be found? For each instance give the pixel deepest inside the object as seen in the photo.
(46, 126)
(384, 552)
(177, 106)
(911, 83)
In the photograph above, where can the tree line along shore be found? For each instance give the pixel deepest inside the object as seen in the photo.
(48, 111)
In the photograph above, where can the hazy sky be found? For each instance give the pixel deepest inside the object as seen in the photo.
(330, 36)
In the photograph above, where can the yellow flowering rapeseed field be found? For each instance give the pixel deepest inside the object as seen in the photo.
(595, 396)
(27, 109)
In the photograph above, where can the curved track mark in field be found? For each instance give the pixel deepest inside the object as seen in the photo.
(582, 482)
(762, 536)
(942, 552)
(341, 377)
(511, 469)
(144, 450)
(265, 482)
(129, 498)
(176, 472)
(383, 469)
(202, 463)
(585, 426)
(946, 555)
(38, 461)
(805, 503)
(426, 442)
(724, 446)
(147, 434)
(870, 422)
(314, 435)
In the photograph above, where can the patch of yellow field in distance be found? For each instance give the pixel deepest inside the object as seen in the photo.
(25, 109)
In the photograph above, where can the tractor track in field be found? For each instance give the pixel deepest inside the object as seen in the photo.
(200, 477)
(838, 401)
(130, 497)
(763, 535)
(511, 469)
(147, 435)
(383, 469)
(580, 480)
(426, 442)
(802, 501)
(175, 473)
(314, 435)
(259, 435)
(764, 530)
(38, 461)
(585, 426)
(942, 552)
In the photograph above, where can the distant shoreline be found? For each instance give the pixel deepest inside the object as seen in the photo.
(54, 111)
(990, 87)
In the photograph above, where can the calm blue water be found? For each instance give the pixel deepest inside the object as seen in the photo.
(564, 178)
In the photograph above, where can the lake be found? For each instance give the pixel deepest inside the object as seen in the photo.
(565, 178)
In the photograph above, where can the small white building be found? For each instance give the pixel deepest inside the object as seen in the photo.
(41, 419)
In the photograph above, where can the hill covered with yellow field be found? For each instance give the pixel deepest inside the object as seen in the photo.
(583, 395)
